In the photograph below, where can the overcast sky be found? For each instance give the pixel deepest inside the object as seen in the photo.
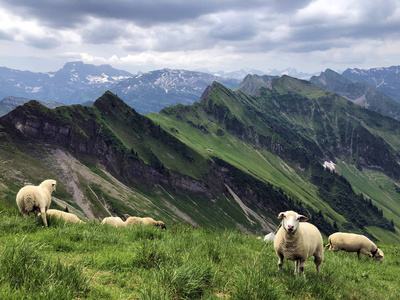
(144, 35)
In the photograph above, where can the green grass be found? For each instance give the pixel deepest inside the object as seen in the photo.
(383, 191)
(93, 261)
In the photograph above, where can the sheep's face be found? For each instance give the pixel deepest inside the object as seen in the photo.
(291, 220)
(53, 185)
(379, 255)
(161, 225)
(49, 184)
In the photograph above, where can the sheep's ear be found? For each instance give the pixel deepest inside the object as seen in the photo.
(302, 218)
(280, 216)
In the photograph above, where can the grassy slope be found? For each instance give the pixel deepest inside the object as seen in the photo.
(92, 261)
(268, 167)
(101, 190)
(383, 191)
(263, 165)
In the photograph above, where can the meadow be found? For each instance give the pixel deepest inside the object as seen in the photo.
(94, 261)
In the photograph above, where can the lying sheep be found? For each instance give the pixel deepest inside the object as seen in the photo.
(144, 221)
(298, 241)
(36, 199)
(352, 242)
(65, 216)
(114, 221)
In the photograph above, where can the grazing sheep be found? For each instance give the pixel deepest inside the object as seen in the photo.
(114, 221)
(67, 217)
(144, 221)
(352, 242)
(36, 199)
(132, 221)
(298, 241)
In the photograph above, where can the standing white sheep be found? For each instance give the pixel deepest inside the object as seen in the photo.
(352, 242)
(36, 199)
(298, 241)
(65, 216)
(114, 221)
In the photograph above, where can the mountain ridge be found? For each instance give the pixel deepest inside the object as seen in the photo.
(195, 162)
(358, 92)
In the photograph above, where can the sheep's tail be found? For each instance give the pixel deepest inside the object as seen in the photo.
(29, 202)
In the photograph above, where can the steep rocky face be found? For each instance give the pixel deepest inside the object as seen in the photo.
(252, 84)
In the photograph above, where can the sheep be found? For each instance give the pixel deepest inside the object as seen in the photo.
(298, 241)
(269, 237)
(114, 221)
(65, 216)
(144, 221)
(351, 242)
(36, 199)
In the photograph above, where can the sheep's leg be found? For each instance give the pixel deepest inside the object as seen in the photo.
(43, 213)
(301, 263)
(358, 254)
(363, 251)
(280, 262)
(318, 262)
(296, 266)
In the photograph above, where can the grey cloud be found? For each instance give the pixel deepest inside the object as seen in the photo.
(42, 42)
(7, 35)
(234, 30)
(289, 6)
(69, 14)
(104, 33)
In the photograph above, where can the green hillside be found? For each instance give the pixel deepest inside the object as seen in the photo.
(94, 261)
(232, 160)
(287, 129)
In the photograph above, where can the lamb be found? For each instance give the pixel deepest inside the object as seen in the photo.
(298, 241)
(65, 216)
(114, 221)
(352, 242)
(36, 199)
(144, 221)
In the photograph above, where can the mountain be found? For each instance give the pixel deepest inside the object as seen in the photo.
(232, 160)
(76, 82)
(292, 72)
(9, 103)
(293, 125)
(152, 91)
(359, 93)
(242, 73)
(387, 80)
(252, 84)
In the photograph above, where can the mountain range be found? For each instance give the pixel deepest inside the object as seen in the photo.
(358, 92)
(231, 160)
(75, 83)
(78, 83)
(387, 80)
